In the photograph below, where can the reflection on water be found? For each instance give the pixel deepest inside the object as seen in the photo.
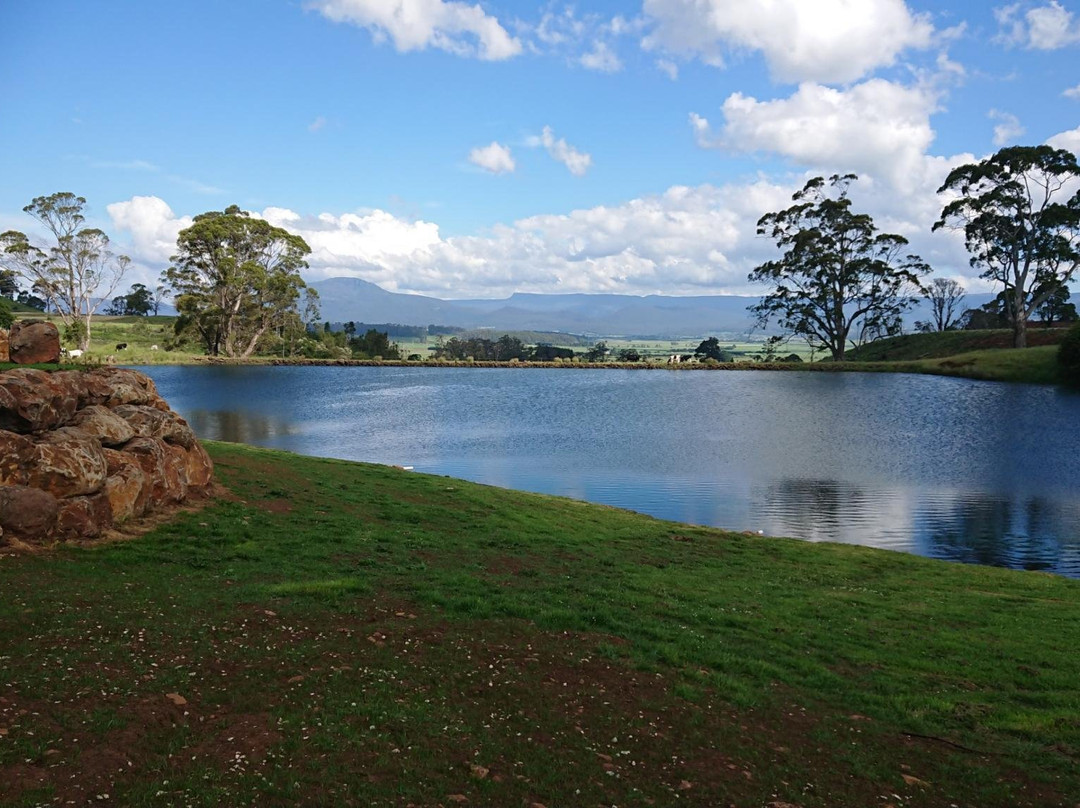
(238, 426)
(949, 468)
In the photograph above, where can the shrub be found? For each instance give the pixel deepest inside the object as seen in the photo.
(1069, 356)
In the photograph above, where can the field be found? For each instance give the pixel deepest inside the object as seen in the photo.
(330, 633)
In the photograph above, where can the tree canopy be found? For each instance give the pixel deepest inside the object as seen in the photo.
(139, 302)
(76, 272)
(1019, 211)
(839, 280)
(235, 277)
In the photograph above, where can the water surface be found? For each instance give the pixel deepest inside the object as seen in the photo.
(980, 472)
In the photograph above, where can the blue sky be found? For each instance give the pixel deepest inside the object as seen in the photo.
(468, 150)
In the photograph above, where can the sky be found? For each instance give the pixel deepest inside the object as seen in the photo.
(468, 150)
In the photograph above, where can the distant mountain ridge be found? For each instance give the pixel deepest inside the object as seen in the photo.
(606, 315)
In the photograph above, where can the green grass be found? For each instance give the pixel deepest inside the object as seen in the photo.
(940, 344)
(347, 634)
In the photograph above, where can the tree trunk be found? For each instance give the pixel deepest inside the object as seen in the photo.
(84, 343)
(1019, 319)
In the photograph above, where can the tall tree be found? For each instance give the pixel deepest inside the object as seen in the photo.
(74, 274)
(1019, 211)
(945, 296)
(235, 277)
(136, 303)
(838, 279)
(1057, 308)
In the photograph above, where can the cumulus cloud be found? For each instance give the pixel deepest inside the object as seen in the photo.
(878, 127)
(1008, 128)
(1073, 93)
(455, 27)
(494, 157)
(317, 124)
(576, 162)
(152, 224)
(1066, 140)
(827, 41)
(601, 58)
(668, 68)
(588, 40)
(1046, 27)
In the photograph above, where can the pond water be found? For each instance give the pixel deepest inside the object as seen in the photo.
(979, 472)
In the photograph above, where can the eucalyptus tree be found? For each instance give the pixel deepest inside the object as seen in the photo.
(945, 296)
(1019, 211)
(838, 280)
(74, 274)
(235, 277)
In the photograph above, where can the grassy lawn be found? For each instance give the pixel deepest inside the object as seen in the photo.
(331, 633)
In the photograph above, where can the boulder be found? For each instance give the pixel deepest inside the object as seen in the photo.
(149, 422)
(16, 453)
(33, 341)
(5, 355)
(115, 386)
(83, 517)
(27, 513)
(161, 469)
(126, 486)
(68, 463)
(200, 468)
(33, 400)
(103, 424)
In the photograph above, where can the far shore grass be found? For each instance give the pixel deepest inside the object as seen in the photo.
(333, 633)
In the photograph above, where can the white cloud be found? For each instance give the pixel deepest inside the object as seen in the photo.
(669, 68)
(1008, 128)
(877, 127)
(601, 58)
(455, 27)
(152, 224)
(495, 158)
(825, 41)
(576, 162)
(1047, 27)
(1073, 93)
(317, 124)
(1066, 140)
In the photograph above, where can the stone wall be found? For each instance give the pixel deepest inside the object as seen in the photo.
(84, 451)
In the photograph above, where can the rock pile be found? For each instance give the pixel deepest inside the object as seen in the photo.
(83, 451)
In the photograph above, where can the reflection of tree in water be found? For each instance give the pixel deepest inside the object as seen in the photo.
(237, 426)
(818, 510)
(998, 532)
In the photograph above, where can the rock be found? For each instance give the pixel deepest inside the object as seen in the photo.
(200, 468)
(83, 517)
(33, 401)
(176, 473)
(16, 452)
(103, 424)
(115, 386)
(5, 356)
(27, 513)
(33, 341)
(161, 468)
(68, 463)
(126, 486)
(149, 422)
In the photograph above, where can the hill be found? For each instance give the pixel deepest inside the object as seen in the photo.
(938, 344)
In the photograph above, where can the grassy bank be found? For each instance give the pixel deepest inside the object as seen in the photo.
(331, 633)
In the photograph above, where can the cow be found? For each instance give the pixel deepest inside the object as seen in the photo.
(153, 347)
(74, 353)
(121, 346)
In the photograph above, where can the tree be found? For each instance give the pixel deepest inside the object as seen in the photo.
(945, 296)
(6, 316)
(629, 355)
(9, 284)
(77, 272)
(1016, 228)
(235, 277)
(597, 352)
(136, 303)
(1057, 308)
(838, 278)
(710, 349)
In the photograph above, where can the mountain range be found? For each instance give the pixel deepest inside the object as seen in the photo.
(607, 315)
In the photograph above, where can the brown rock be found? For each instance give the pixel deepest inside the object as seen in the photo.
(68, 463)
(33, 341)
(126, 486)
(161, 467)
(149, 422)
(83, 517)
(33, 400)
(176, 473)
(200, 468)
(5, 356)
(103, 424)
(115, 386)
(27, 513)
(16, 453)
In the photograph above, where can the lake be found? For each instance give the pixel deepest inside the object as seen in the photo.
(980, 472)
